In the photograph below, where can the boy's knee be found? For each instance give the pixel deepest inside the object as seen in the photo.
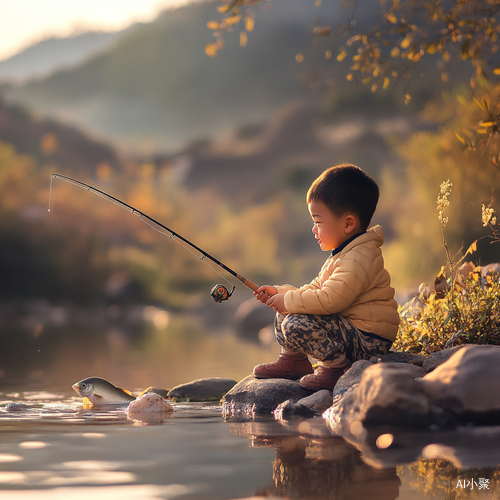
(295, 326)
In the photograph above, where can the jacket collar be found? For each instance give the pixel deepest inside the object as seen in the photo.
(339, 249)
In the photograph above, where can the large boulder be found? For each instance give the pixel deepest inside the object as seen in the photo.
(464, 388)
(387, 393)
(438, 358)
(467, 384)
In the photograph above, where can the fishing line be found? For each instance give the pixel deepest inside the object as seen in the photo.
(219, 292)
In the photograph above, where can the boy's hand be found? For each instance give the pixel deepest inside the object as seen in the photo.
(277, 302)
(265, 292)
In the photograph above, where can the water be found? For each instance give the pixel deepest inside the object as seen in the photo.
(54, 448)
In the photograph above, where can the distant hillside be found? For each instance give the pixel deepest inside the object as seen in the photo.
(53, 143)
(53, 54)
(155, 88)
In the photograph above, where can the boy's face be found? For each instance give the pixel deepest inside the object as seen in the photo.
(331, 231)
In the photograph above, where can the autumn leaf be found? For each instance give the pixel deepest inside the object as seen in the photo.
(249, 23)
(342, 55)
(211, 49)
(472, 248)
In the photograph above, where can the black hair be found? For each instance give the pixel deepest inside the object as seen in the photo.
(346, 188)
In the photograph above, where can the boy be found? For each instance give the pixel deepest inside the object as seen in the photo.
(348, 312)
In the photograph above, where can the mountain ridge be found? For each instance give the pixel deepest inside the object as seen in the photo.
(155, 88)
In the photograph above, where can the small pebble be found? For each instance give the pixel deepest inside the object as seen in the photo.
(13, 407)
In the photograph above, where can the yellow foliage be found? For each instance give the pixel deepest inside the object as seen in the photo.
(341, 55)
(395, 52)
(211, 49)
(406, 43)
(249, 23)
(229, 21)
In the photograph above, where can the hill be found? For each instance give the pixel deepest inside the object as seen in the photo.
(53, 54)
(54, 143)
(155, 88)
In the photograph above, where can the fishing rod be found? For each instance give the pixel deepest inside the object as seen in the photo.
(219, 292)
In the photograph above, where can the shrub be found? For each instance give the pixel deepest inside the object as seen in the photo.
(462, 309)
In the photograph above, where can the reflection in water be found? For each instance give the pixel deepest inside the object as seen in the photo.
(317, 466)
(195, 454)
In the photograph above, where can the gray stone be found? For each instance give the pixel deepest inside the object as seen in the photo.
(387, 394)
(438, 358)
(468, 383)
(205, 389)
(351, 378)
(317, 402)
(16, 407)
(252, 396)
(284, 410)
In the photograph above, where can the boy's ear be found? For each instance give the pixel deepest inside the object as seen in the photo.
(351, 223)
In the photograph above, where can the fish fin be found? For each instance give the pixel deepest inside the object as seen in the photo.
(125, 390)
(97, 395)
(87, 403)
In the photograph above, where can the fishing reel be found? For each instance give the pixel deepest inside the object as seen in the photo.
(220, 293)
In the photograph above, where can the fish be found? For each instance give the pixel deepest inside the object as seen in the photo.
(101, 392)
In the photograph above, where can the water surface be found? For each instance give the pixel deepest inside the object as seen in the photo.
(55, 448)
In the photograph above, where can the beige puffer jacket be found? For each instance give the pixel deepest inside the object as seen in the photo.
(354, 284)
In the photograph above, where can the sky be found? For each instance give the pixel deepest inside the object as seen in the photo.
(24, 22)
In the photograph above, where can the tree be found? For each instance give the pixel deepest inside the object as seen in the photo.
(387, 49)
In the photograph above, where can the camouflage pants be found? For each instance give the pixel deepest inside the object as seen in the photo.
(329, 338)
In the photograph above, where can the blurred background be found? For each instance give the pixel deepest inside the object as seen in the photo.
(218, 136)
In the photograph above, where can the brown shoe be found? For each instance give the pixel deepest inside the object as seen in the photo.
(291, 366)
(324, 378)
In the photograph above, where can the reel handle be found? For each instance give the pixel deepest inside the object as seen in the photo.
(250, 284)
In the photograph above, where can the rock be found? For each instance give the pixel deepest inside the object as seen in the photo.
(467, 384)
(438, 358)
(351, 378)
(317, 402)
(399, 357)
(387, 394)
(252, 396)
(205, 389)
(150, 402)
(161, 392)
(287, 408)
(16, 407)
(491, 269)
